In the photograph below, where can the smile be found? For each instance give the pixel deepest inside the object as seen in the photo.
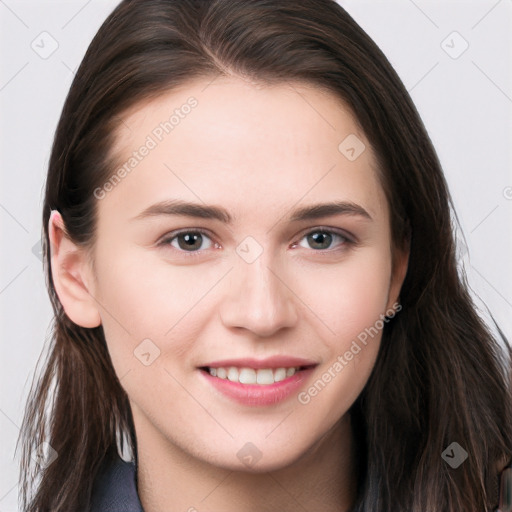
(261, 376)
(256, 387)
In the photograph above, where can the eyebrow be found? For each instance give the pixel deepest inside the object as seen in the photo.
(311, 212)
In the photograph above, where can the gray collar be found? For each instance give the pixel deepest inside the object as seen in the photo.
(115, 488)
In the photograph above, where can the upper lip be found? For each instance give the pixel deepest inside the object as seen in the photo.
(270, 362)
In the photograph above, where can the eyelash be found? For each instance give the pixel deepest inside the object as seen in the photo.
(346, 240)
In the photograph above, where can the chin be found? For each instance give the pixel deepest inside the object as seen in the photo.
(251, 459)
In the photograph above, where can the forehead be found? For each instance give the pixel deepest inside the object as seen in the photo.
(232, 139)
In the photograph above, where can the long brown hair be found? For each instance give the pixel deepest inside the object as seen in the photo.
(441, 375)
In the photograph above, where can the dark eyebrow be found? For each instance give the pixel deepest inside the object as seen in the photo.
(315, 211)
(179, 207)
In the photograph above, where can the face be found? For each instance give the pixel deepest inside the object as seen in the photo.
(249, 276)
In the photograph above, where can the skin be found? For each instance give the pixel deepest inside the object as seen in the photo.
(259, 152)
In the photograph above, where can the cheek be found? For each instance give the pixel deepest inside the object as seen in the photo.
(142, 302)
(352, 305)
(141, 284)
(347, 297)
(155, 308)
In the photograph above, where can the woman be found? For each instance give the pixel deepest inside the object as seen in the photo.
(256, 370)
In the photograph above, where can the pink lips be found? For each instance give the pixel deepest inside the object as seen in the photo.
(256, 394)
(259, 395)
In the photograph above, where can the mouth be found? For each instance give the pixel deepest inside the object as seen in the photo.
(254, 376)
(257, 383)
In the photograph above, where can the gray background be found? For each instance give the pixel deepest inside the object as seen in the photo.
(465, 99)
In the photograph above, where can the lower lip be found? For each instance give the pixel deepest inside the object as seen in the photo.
(257, 394)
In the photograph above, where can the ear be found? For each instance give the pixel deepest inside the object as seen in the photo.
(399, 271)
(71, 274)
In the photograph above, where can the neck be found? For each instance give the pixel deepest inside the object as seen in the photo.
(323, 478)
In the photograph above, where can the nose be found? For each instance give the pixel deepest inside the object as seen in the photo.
(259, 298)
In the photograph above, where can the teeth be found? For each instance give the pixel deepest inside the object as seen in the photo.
(263, 376)
(247, 376)
(233, 374)
(280, 374)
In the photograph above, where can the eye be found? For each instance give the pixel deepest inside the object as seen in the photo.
(187, 240)
(191, 241)
(322, 239)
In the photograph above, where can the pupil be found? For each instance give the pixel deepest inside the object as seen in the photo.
(321, 236)
(190, 240)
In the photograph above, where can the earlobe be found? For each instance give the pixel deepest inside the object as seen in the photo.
(70, 274)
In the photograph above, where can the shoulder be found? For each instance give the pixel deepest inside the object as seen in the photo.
(115, 488)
